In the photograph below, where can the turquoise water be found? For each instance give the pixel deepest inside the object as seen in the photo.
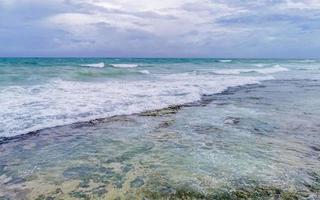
(248, 129)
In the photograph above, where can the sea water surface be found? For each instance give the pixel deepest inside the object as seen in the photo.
(97, 128)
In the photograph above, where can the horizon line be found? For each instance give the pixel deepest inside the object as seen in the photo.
(138, 57)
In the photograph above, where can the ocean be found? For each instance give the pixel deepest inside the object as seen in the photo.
(135, 128)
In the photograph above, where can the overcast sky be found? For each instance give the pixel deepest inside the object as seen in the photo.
(160, 28)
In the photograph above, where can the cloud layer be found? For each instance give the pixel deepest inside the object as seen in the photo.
(166, 28)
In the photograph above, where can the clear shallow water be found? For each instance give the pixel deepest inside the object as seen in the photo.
(252, 141)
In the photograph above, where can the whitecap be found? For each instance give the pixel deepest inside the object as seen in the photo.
(95, 65)
(124, 65)
(225, 61)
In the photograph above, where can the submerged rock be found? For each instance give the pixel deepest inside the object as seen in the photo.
(163, 136)
(137, 182)
(79, 195)
(224, 193)
(118, 184)
(206, 129)
(2, 171)
(263, 193)
(127, 168)
(87, 172)
(15, 180)
(131, 153)
(41, 197)
(167, 192)
(84, 184)
(315, 148)
(78, 172)
(58, 191)
(103, 178)
(87, 194)
(118, 180)
(99, 191)
(4, 198)
(315, 185)
(51, 196)
(165, 124)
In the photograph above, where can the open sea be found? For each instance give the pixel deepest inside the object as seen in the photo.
(120, 128)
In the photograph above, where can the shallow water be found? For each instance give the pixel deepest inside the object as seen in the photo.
(255, 141)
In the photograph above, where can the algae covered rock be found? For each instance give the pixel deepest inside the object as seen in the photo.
(166, 111)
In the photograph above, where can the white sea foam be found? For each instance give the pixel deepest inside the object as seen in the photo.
(95, 65)
(124, 65)
(29, 108)
(270, 70)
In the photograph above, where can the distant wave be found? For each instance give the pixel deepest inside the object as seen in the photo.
(225, 61)
(95, 65)
(124, 65)
(274, 69)
(307, 61)
(271, 70)
(259, 65)
(102, 65)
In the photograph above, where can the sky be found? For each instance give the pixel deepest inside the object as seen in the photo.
(160, 28)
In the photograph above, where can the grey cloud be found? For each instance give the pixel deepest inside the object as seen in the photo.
(238, 28)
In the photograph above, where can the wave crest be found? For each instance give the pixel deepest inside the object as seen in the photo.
(95, 65)
(124, 65)
(225, 61)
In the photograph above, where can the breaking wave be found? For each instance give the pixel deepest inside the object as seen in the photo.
(29, 108)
